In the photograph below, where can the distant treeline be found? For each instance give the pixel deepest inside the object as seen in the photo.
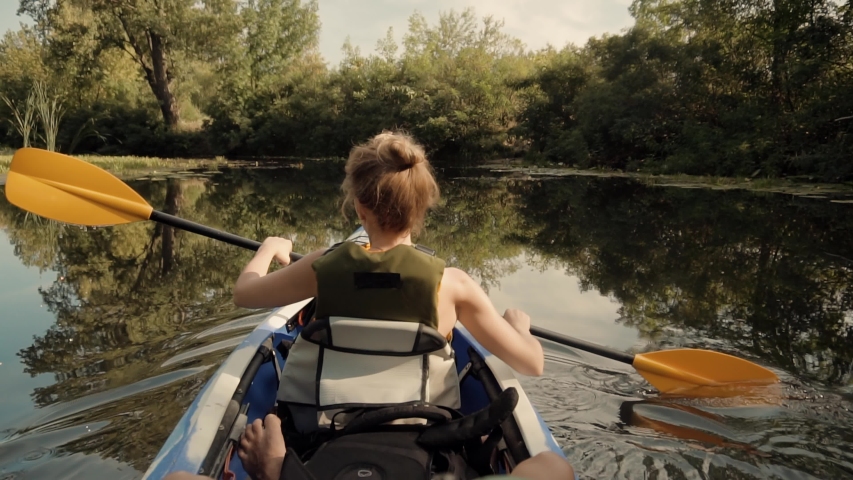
(719, 87)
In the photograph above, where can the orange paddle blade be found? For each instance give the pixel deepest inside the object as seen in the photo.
(69, 190)
(684, 369)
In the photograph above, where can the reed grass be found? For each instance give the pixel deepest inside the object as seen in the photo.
(50, 112)
(124, 165)
(24, 120)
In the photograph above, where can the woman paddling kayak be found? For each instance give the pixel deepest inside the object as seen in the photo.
(390, 185)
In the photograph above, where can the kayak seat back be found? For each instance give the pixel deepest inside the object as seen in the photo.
(380, 337)
(340, 365)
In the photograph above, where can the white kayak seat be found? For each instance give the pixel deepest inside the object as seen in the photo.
(343, 363)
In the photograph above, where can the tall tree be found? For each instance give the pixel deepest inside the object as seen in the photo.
(459, 69)
(265, 62)
(157, 34)
(275, 33)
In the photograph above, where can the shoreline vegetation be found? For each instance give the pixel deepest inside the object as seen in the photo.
(798, 186)
(129, 167)
(125, 166)
(717, 89)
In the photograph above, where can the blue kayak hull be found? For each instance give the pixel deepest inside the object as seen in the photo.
(201, 427)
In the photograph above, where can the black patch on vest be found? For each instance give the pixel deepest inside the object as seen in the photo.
(377, 280)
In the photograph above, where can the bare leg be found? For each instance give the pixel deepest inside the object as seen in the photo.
(545, 466)
(262, 448)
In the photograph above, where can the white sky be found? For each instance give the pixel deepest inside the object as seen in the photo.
(535, 22)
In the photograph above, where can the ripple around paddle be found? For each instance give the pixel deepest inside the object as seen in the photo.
(573, 397)
(612, 424)
(610, 377)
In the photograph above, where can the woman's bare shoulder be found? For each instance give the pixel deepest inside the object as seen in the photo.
(454, 274)
(315, 254)
(457, 280)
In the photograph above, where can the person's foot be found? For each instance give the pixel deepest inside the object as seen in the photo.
(262, 448)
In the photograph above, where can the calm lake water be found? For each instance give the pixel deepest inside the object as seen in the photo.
(109, 333)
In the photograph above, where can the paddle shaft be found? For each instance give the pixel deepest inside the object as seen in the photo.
(213, 233)
(72, 191)
(583, 345)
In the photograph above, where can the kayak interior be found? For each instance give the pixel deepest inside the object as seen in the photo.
(245, 388)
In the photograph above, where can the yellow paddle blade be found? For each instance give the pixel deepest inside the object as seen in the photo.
(684, 369)
(69, 190)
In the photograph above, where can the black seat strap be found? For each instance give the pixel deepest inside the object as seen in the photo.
(456, 432)
(293, 469)
(375, 418)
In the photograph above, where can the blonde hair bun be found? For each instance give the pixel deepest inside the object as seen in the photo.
(391, 176)
(399, 150)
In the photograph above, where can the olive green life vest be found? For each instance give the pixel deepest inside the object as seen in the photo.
(398, 284)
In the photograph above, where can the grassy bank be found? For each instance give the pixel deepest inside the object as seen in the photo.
(127, 165)
(800, 186)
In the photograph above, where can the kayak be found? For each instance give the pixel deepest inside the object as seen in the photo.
(245, 386)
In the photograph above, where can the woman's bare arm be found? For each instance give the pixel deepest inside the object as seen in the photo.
(257, 289)
(511, 342)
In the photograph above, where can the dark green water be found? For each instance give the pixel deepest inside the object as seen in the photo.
(109, 333)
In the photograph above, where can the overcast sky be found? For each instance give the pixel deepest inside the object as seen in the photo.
(536, 22)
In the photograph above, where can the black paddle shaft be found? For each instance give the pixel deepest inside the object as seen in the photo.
(213, 233)
(583, 345)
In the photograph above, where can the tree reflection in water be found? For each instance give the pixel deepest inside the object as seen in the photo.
(767, 276)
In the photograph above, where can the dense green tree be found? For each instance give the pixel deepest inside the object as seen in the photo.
(549, 119)
(704, 87)
(459, 72)
(165, 37)
(276, 33)
(734, 87)
(272, 58)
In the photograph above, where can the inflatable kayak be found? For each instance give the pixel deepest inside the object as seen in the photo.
(495, 428)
